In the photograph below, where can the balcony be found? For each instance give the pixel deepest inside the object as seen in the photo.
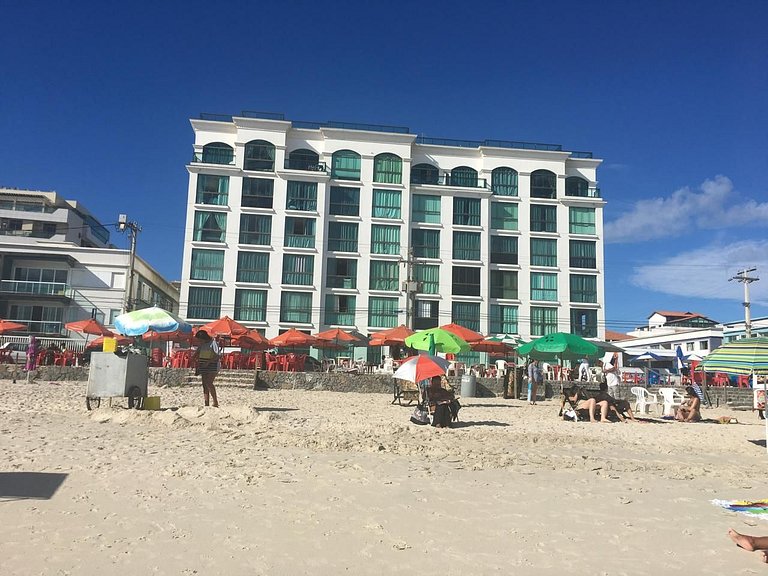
(41, 326)
(44, 289)
(461, 181)
(216, 156)
(27, 206)
(584, 193)
(300, 164)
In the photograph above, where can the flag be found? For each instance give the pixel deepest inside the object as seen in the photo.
(680, 359)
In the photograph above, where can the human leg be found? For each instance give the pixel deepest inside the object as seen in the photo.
(748, 542)
(589, 405)
(209, 389)
(534, 388)
(603, 404)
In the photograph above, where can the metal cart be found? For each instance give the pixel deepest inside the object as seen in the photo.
(117, 376)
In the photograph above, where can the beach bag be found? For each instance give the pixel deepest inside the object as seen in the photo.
(570, 415)
(420, 416)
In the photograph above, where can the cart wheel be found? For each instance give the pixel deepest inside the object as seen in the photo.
(135, 399)
(92, 403)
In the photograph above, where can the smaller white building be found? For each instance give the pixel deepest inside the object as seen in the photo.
(666, 330)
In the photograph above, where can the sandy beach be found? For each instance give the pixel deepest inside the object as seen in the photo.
(308, 482)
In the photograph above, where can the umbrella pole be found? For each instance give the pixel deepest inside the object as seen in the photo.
(765, 409)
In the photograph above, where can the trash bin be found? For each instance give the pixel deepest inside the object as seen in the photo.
(468, 386)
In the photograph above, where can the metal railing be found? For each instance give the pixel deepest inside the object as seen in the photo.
(36, 288)
(226, 157)
(73, 344)
(457, 181)
(295, 164)
(27, 206)
(588, 193)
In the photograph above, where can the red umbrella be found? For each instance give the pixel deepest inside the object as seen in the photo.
(99, 342)
(390, 337)
(492, 347)
(421, 367)
(175, 336)
(464, 333)
(89, 326)
(224, 327)
(293, 338)
(10, 326)
(252, 340)
(338, 336)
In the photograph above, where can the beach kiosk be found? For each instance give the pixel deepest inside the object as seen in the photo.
(115, 375)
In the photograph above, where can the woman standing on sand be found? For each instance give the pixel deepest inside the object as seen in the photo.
(207, 361)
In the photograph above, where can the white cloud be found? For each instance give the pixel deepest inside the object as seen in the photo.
(714, 206)
(705, 272)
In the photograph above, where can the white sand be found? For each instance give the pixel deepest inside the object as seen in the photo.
(296, 482)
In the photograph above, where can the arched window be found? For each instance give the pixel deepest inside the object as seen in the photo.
(464, 176)
(346, 165)
(218, 153)
(425, 174)
(259, 156)
(388, 168)
(303, 159)
(543, 184)
(504, 181)
(576, 186)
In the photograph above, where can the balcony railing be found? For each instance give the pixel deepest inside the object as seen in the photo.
(585, 193)
(41, 326)
(296, 164)
(26, 206)
(461, 181)
(36, 288)
(226, 157)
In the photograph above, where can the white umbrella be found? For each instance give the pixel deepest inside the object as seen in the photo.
(421, 367)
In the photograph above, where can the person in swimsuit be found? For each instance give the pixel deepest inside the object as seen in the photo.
(207, 361)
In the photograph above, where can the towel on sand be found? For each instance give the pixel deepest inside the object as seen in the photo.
(757, 508)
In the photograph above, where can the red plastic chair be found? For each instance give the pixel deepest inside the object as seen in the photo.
(272, 362)
(156, 359)
(744, 381)
(721, 379)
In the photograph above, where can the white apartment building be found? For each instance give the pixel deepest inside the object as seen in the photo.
(315, 225)
(57, 265)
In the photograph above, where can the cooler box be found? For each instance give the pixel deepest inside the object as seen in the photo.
(112, 376)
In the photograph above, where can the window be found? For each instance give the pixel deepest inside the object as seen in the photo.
(296, 307)
(544, 252)
(464, 176)
(342, 236)
(41, 280)
(212, 189)
(386, 204)
(204, 303)
(466, 314)
(503, 319)
(425, 174)
(581, 221)
(301, 196)
(299, 232)
(466, 281)
(466, 245)
(253, 267)
(210, 226)
(583, 288)
(504, 249)
(425, 209)
(503, 216)
(428, 278)
(543, 218)
(382, 312)
(345, 201)
(250, 305)
(466, 211)
(504, 284)
(583, 254)
(388, 168)
(385, 239)
(342, 273)
(218, 153)
(575, 186)
(298, 269)
(427, 314)
(255, 229)
(543, 184)
(340, 309)
(385, 275)
(504, 181)
(689, 346)
(543, 286)
(543, 321)
(584, 323)
(207, 265)
(346, 165)
(703, 345)
(45, 319)
(425, 243)
(257, 193)
(259, 156)
(303, 160)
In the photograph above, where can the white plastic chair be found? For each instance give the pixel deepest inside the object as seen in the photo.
(672, 399)
(644, 400)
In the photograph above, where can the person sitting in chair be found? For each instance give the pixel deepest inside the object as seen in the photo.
(439, 403)
(690, 409)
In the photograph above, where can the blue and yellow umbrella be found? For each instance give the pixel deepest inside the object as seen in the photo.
(745, 356)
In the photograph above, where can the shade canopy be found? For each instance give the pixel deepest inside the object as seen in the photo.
(420, 367)
(559, 345)
(11, 326)
(138, 322)
(745, 356)
(437, 340)
(89, 326)
(174, 336)
(465, 334)
(99, 342)
(337, 337)
(225, 326)
(252, 340)
(492, 347)
(293, 338)
(391, 337)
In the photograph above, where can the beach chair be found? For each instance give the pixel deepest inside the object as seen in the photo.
(672, 400)
(644, 400)
(405, 391)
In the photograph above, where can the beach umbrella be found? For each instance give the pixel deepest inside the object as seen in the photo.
(89, 326)
(338, 337)
(293, 338)
(491, 347)
(391, 337)
(224, 327)
(10, 326)
(99, 342)
(420, 367)
(465, 334)
(509, 339)
(252, 339)
(745, 356)
(139, 322)
(174, 336)
(559, 345)
(437, 340)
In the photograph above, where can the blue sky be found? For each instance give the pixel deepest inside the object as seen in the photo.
(96, 99)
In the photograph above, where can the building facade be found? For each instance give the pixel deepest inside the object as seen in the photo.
(57, 266)
(309, 226)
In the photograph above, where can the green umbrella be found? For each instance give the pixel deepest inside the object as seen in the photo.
(559, 345)
(508, 339)
(437, 340)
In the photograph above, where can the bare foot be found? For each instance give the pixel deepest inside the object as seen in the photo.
(744, 541)
(764, 554)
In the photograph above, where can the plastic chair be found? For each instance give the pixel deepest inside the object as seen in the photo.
(272, 363)
(672, 399)
(721, 379)
(644, 400)
(744, 381)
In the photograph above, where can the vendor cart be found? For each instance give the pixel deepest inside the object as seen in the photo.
(115, 375)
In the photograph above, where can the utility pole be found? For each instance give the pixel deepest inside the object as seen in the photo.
(410, 287)
(742, 277)
(133, 229)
